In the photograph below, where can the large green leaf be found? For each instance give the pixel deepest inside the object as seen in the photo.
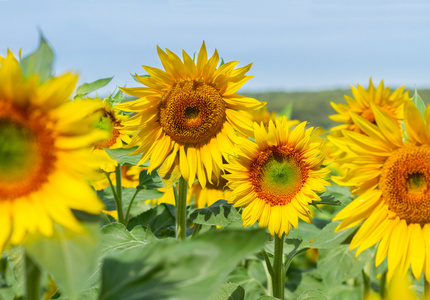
(312, 295)
(12, 273)
(87, 88)
(39, 62)
(339, 264)
(327, 238)
(230, 291)
(160, 219)
(253, 287)
(218, 214)
(149, 181)
(116, 238)
(167, 269)
(68, 256)
(123, 157)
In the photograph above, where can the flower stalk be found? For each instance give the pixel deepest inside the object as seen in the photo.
(32, 285)
(181, 209)
(278, 278)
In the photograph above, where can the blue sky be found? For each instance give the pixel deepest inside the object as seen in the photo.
(294, 45)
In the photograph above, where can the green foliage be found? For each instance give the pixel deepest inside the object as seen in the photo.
(230, 291)
(192, 269)
(161, 220)
(39, 62)
(419, 103)
(218, 214)
(123, 157)
(87, 88)
(70, 257)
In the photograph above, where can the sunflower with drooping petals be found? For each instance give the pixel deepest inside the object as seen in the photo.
(391, 103)
(111, 120)
(45, 159)
(191, 111)
(276, 178)
(392, 174)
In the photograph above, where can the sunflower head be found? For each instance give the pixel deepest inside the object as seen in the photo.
(189, 110)
(360, 104)
(276, 178)
(45, 159)
(109, 120)
(391, 171)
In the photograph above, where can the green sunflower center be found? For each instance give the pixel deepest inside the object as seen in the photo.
(192, 112)
(405, 183)
(107, 122)
(281, 175)
(16, 148)
(26, 153)
(278, 174)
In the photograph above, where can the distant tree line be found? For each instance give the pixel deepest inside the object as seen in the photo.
(314, 107)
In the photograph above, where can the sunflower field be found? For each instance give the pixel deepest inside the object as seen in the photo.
(181, 188)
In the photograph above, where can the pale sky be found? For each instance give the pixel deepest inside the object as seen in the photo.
(294, 45)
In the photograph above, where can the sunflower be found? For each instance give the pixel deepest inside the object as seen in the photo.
(276, 178)
(360, 104)
(392, 174)
(111, 121)
(45, 160)
(191, 111)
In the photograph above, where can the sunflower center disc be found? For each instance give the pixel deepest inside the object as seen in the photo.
(192, 112)
(26, 155)
(107, 122)
(277, 175)
(405, 183)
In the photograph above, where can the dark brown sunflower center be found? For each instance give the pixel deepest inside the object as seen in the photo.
(192, 112)
(278, 174)
(405, 183)
(26, 153)
(110, 124)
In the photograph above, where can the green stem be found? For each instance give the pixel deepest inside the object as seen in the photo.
(196, 230)
(33, 279)
(278, 278)
(426, 289)
(129, 206)
(119, 207)
(267, 260)
(181, 209)
(382, 288)
(366, 285)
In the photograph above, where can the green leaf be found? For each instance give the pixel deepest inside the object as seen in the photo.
(123, 157)
(327, 238)
(149, 181)
(219, 214)
(265, 297)
(117, 98)
(419, 103)
(253, 288)
(135, 77)
(338, 264)
(327, 200)
(68, 256)
(230, 291)
(341, 193)
(39, 62)
(13, 269)
(158, 218)
(166, 269)
(87, 88)
(116, 238)
(287, 111)
(312, 295)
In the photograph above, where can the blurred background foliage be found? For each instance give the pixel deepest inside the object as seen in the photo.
(314, 107)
